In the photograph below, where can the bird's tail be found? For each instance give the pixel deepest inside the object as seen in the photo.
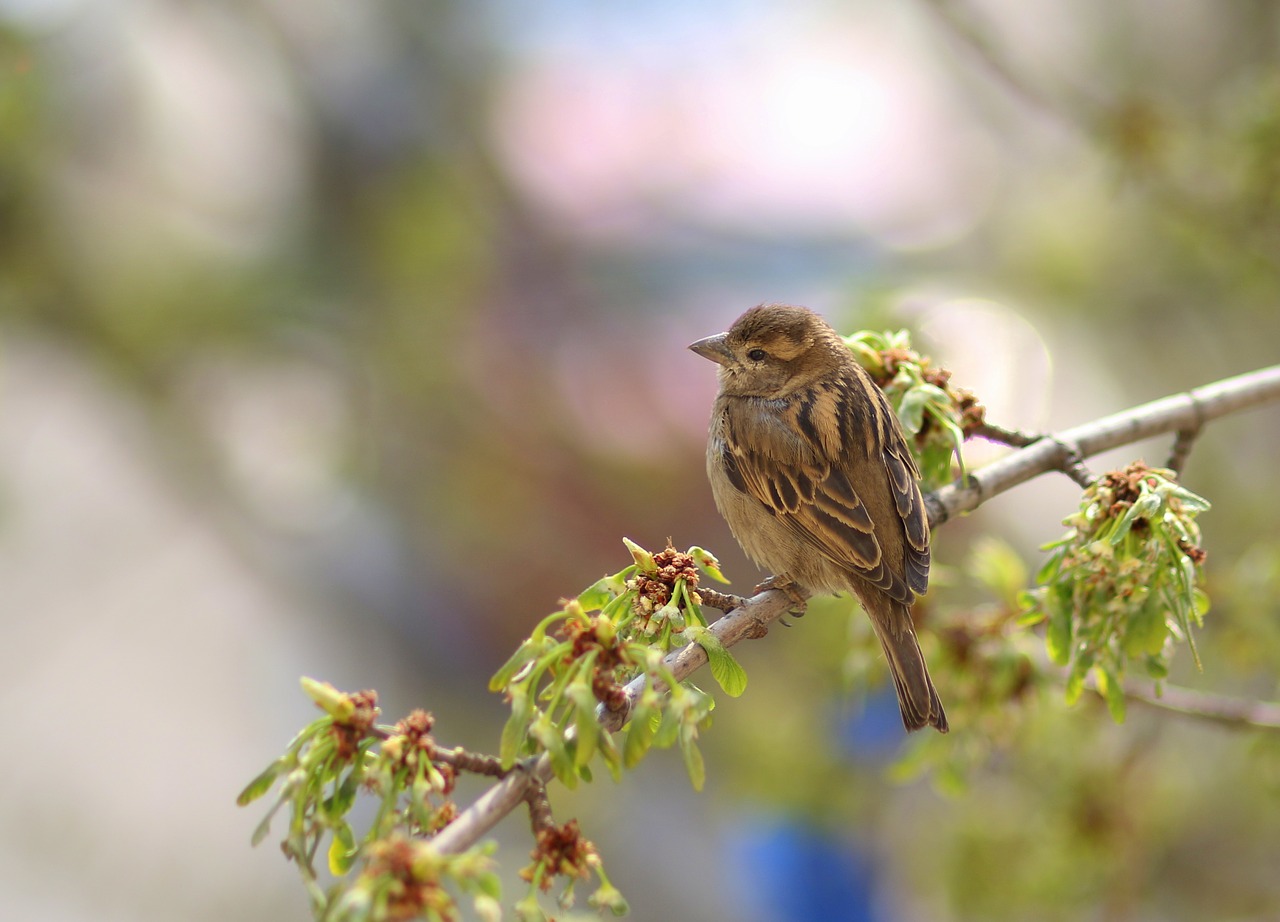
(917, 698)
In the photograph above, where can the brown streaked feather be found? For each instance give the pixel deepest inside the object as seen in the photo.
(803, 479)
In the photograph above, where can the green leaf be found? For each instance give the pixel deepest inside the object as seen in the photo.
(866, 351)
(344, 797)
(552, 741)
(1075, 685)
(1192, 503)
(1200, 604)
(707, 563)
(586, 726)
(668, 730)
(264, 827)
(516, 728)
(724, 668)
(693, 763)
(527, 652)
(336, 704)
(1049, 572)
(1145, 506)
(490, 884)
(643, 559)
(1057, 638)
(685, 595)
(911, 410)
(1146, 630)
(1110, 688)
(598, 594)
(640, 733)
(261, 784)
(342, 850)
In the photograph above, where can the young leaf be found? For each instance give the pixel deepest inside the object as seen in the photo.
(643, 559)
(516, 728)
(724, 668)
(1111, 689)
(527, 652)
(260, 785)
(707, 563)
(598, 594)
(693, 763)
(588, 729)
(342, 850)
(1146, 630)
(1057, 639)
(640, 733)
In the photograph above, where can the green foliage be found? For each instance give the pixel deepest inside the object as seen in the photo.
(575, 663)
(400, 875)
(1122, 584)
(578, 660)
(935, 416)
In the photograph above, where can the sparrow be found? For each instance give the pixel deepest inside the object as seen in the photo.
(809, 467)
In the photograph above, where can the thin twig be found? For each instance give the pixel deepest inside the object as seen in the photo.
(1015, 438)
(540, 816)
(1074, 467)
(1182, 449)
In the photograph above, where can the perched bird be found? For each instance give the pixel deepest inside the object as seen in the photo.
(810, 468)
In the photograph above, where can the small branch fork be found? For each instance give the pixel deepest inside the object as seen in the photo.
(1065, 451)
(1070, 462)
(1179, 413)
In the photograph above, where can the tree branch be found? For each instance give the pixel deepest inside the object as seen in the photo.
(1051, 453)
(1220, 709)
(1182, 412)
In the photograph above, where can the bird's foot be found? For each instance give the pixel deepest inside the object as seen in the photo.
(798, 597)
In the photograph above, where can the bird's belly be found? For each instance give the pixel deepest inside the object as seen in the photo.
(773, 546)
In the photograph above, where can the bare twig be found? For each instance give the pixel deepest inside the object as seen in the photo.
(1074, 467)
(540, 817)
(1182, 449)
(1014, 438)
(1050, 453)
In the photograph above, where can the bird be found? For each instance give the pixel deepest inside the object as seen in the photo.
(809, 467)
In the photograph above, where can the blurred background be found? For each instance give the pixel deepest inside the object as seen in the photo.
(343, 339)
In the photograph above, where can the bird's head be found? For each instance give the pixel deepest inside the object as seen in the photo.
(773, 350)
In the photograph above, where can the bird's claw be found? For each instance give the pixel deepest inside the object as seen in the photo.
(799, 599)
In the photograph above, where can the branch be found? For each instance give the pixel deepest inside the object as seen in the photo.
(1222, 709)
(1053, 452)
(1049, 453)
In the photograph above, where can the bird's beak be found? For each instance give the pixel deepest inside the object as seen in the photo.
(714, 348)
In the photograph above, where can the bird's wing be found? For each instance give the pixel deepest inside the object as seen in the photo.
(800, 460)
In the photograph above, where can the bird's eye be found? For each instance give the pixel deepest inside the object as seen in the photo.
(757, 355)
